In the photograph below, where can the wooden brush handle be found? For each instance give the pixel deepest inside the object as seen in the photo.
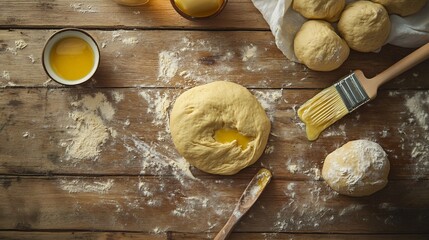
(403, 65)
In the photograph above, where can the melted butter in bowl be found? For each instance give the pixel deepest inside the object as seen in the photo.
(198, 9)
(71, 56)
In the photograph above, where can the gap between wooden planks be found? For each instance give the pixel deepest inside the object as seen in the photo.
(160, 203)
(9, 235)
(238, 14)
(188, 58)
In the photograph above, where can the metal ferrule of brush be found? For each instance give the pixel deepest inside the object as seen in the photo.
(352, 92)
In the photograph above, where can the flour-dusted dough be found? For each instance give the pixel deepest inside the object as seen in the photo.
(329, 10)
(199, 112)
(402, 7)
(358, 168)
(364, 25)
(318, 46)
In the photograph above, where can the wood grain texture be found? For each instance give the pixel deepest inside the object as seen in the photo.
(16, 235)
(239, 14)
(159, 204)
(137, 186)
(134, 59)
(36, 129)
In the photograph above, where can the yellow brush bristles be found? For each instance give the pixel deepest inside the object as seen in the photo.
(322, 111)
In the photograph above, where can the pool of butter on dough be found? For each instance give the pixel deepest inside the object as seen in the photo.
(226, 135)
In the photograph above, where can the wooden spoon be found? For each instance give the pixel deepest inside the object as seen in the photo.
(247, 199)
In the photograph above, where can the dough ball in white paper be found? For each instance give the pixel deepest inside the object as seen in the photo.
(365, 26)
(402, 7)
(318, 46)
(329, 10)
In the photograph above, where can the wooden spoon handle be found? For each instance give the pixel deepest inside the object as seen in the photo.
(403, 65)
(246, 201)
(227, 228)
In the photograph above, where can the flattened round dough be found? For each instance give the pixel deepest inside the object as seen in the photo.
(358, 168)
(364, 25)
(199, 112)
(402, 7)
(318, 46)
(329, 10)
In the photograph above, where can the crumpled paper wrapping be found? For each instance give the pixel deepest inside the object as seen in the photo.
(411, 31)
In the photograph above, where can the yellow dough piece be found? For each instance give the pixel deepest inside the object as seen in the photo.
(364, 25)
(358, 168)
(402, 7)
(318, 46)
(329, 10)
(219, 128)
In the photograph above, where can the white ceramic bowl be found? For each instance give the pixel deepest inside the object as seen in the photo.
(65, 33)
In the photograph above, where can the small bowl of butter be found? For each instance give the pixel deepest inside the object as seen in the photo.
(71, 56)
(198, 9)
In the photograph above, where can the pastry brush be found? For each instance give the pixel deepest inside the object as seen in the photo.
(349, 93)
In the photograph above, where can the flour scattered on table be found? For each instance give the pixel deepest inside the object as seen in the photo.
(47, 82)
(418, 105)
(90, 132)
(293, 168)
(158, 160)
(86, 186)
(335, 130)
(206, 62)
(158, 105)
(249, 52)
(117, 96)
(81, 8)
(32, 59)
(5, 75)
(20, 44)
(130, 41)
(418, 139)
(269, 149)
(300, 166)
(96, 103)
(309, 207)
(168, 63)
(269, 100)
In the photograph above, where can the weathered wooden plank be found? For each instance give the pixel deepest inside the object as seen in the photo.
(138, 59)
(161, 204)
(239, 14)
(288, 236)
(19, 235)
(39, 132)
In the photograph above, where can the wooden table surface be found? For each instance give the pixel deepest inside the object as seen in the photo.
(132, 183)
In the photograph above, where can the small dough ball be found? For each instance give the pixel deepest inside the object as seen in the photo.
(318, 46)
(358, 168)
(219, 128)
(365, 26)
(402, 7)
(329, 10)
